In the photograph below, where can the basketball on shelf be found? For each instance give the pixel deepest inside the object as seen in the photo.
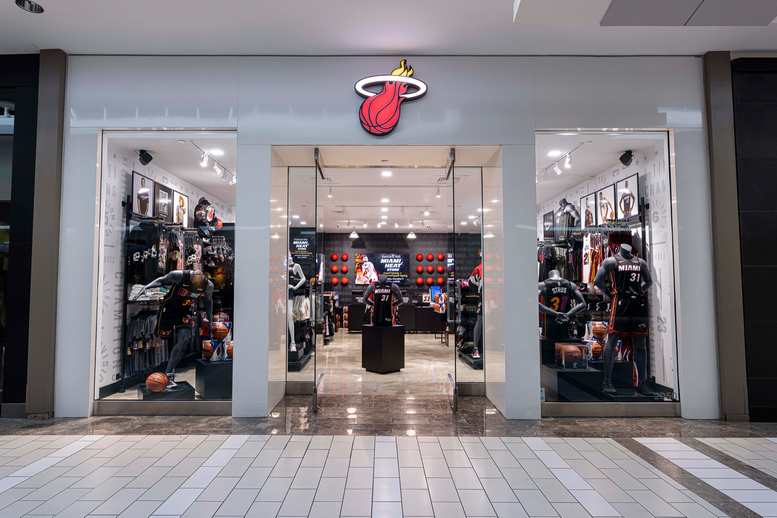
(596, 351)
(344, 268)
(429, 269)
(230, 348)
(430, 257)
(219, 330)
(344, 281)
(440, 256)
(419, 257)
(344, 257)
(429, 281)
(335, 268)
(419, 269)
(207, 349)
(335, 281)
(334, 257)
(440, 268)
(156, 382)
(419, 281)
(440, 280)
(599, 330)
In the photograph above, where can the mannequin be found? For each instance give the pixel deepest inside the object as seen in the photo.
(178, 316)
(204, 214)
(382, 299)
(629, 279)
(476, 279)
(296, 281)
(567, 218)
(555, 302)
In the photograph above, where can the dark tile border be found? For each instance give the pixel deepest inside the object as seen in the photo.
(723, 502)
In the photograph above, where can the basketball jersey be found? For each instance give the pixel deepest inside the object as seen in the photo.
(626, 278)
(178, 307)
(557, 294)
(586, 258)
(383, 299)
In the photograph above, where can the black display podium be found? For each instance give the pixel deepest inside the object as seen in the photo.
(383, 348)
(181, 392)
(213, 379)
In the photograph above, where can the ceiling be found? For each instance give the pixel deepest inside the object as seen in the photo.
(176, 154)
(355, 194)
(592, 154)
(309, 27)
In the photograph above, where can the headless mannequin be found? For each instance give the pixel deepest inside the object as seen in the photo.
(295, 281)
(395, 294)
(611, 267)
(561, 317)
(179, 311)
(476, 279)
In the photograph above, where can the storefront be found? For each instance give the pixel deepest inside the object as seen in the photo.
(257, 104)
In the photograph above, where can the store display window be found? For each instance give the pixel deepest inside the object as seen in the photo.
(166, 267)
(605, 267)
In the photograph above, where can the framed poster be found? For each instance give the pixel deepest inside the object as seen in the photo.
(142, 195)
(180, 208)
(605, 205)
(164, 202)
(588, 209)
(547, 226)
(627, 194)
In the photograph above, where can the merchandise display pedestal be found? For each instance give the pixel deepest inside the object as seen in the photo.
(299, 358)
(383, 348)
(475, 363)
(213, 379)
(181, 392)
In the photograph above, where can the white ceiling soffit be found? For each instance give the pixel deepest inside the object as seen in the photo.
(647, 13)
(356, 27)
(385, 156)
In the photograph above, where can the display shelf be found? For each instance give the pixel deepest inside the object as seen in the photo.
(475, 363)
(299, 362)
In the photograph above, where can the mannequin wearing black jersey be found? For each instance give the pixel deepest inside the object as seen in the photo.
(556, 294)
(179, 314)
(382, 299)
(628, 279)
(296, 282)
(567, 219)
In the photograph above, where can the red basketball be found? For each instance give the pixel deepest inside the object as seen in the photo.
(429, 269)
(334, 257)
(207, 349)
(430, 257)
(419, 269)
(379, 113)
(429, 281)
(230, 349)
(335, 281)
(344, 281)
(440, 268)
(344, 268)
(440, 280)
(419, 281)
(344, 257)
(335, 268)
(157, 382)
(419, 257)
(440, 256)
(219, 330)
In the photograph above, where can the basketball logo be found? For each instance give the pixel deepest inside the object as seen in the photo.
(379, 112)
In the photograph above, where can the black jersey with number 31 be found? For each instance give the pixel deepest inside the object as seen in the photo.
(626, 278)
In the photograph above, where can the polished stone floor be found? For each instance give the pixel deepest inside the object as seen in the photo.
(428, 362)
(190, 475)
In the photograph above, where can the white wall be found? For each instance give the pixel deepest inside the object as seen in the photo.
(471, 100)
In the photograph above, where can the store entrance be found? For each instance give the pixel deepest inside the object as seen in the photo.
(384, 270)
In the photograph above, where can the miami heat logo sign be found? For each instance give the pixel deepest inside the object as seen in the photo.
(379, 112)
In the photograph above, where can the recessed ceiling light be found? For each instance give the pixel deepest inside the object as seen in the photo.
(555, 153)
(426, 213)
(273, 200)
(386, 173)
(278, 209)
(410, 225)
(567, 134)
(383, 216)
(495, 201)
(294, 216)
(384, 209)
(275, 236)
(396, 225)
(30, 6)
(463, 223)
(468, 217)
(384, 200)
(320, 225)
(303, 222)
(216, 152)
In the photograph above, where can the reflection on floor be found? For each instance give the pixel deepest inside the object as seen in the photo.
(428, 362)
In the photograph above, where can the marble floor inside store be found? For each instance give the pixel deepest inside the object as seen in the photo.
(428, 362)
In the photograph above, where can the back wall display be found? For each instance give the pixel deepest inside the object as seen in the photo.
(142, 195)
(181, 211)
(605, 204)
(164, 202)
(627, 192)
(302, 243)
(393, 267)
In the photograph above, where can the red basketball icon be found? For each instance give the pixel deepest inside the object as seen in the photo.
(344, 268)
(335, 268)
(344, 257)
(335, 281)
(440, 268)
(334, 257)
(419, 281)
(440, 280)
(419, 269)
(429, 268)
(419, 257)
(429, 281)
(440, 256)
(344, 281)
(430, 257)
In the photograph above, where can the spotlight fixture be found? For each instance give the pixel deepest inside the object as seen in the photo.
(329, 194)
(554, 153)
(384, 209)
(411, 235)
(385, 200)
(216, 152)
(144, 157)
(233, 181)
(386, 173)
(30, 6)
(353, 235)
(396, 225)
(426, 213)
(495, 201)
(204, 160)
(568, 161)
(303, 222)
(557, 169)
(437, 194)
(364, 226)
(383, 216)
(626, 157)
(219, 171)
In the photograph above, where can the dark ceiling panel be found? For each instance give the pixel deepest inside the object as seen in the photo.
(725, 13)
(650, 13)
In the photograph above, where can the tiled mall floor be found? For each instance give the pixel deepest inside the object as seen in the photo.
(380, 476)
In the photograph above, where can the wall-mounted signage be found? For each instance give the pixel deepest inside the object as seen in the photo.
(379, 112)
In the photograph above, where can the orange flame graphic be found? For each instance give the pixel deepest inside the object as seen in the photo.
(403, 69)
